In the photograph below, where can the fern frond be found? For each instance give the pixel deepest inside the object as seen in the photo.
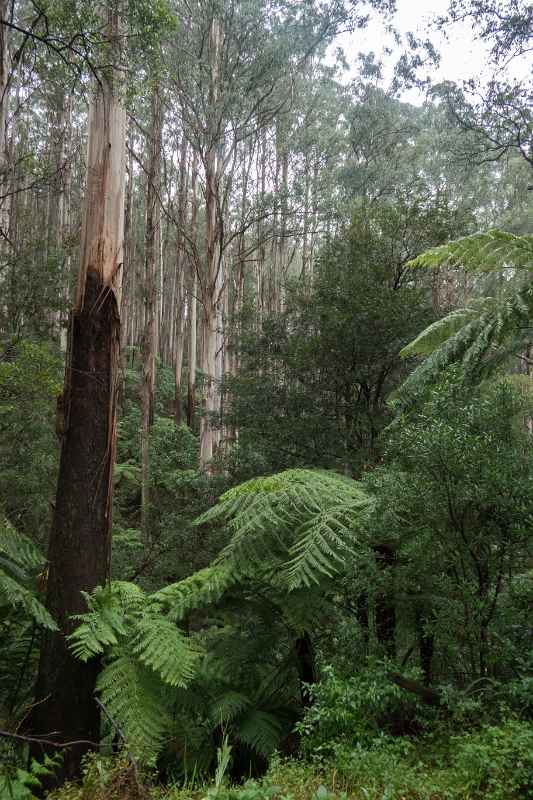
(105, 621)
(443, 329)
(260, 730)
(196, 591)
(228, 706)
(130, 596)
(326, 540)
(13, 593)
(471, 344)
(160, 644)
(18, 547)
(132, 695)
(481, 252)
(298, 524)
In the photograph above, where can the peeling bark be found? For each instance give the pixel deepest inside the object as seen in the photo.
(80, 540)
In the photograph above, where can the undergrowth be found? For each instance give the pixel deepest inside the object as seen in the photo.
(492, 763)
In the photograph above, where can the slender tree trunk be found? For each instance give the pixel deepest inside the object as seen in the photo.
(213, 240)
(179, 310)
(151, 316)
(58, 197)
(4, 102)
(282, 251)
(79, 549)
(193, 303)
(128, 293)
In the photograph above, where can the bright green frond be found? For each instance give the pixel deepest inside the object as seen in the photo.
(326, 540)
(440, 331)
(203, 588)
(131, 694)
(105, 622)
(490, 251)
(298, 524)
(162, 646)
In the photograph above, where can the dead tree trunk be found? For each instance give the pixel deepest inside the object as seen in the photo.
(79, 549)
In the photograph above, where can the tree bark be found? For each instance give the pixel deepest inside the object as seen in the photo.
(80, 540)
(179, 310)
(213, 245)
(193, 303)
(150, 299)
(4, 102)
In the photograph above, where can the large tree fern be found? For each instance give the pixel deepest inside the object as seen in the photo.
(480, 335)
(290, 535)
(145, 652)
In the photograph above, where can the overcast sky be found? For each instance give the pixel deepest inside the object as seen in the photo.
(462, 56)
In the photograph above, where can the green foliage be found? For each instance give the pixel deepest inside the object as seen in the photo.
(178, 493)
(302, 523)
(30, 380)
(147, 655)
(481, 335)
(495, 762)
(352, 712)
(19, 562)
(313, 380)
(17, 783)
(491, 251)
(456, 503)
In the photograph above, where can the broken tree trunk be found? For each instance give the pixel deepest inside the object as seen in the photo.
(80, 540)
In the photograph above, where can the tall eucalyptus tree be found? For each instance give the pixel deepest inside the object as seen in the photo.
(234, 70)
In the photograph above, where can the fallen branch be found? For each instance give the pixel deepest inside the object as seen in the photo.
(431, 697)
(38, 740)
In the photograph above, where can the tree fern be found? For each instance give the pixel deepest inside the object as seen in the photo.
(474, 336)
(19, 562)
(133, 696)
(146, 657)
(300, 523)
(159, 644)
(260, 730)
(289, 533)
(481, 252)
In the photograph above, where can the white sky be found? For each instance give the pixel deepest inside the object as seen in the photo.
(462, 56)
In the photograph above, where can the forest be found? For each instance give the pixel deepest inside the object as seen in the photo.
(266, 401)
